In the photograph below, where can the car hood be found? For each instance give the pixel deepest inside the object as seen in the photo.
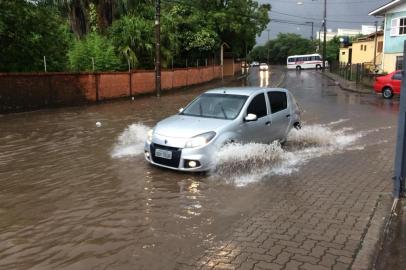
(182, 126)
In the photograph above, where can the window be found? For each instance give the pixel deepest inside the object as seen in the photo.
(258, 106)
(380, 46)
(222, 106)
(362, 47)
(399, 62)
(278, 101)
(402, 26)
(343, 53)
(398, 27)
(365, 47)
(398, 76)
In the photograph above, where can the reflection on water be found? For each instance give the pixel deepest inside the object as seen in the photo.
(264, 78)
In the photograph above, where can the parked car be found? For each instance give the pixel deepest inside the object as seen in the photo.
(255, 64)
(189, 140)
(263, 66)
(389, 85)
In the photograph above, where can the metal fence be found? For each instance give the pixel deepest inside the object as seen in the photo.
(360, 73)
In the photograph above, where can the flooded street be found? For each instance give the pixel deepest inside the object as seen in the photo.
(77, 196)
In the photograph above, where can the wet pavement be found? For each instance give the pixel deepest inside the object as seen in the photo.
(77, 196)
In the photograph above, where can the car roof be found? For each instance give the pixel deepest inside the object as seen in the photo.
(244, 91)
(313, 54)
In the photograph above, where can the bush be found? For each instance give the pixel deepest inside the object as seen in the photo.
(28, 32)
(93, 46)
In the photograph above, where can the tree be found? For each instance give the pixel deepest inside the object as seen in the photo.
(281, 47)
(333, 49)
(132, 36)
(97, 47)
(28, 32)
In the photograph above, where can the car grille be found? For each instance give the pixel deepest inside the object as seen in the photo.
(176, 153)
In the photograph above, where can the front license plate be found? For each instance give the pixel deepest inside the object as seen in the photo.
(163, 154)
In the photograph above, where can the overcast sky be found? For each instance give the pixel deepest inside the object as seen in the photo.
(340, 14)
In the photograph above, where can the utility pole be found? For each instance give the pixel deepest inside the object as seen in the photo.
(325, 32)
(158, 47)
(268, 46)
(400, 159)
(376, 40)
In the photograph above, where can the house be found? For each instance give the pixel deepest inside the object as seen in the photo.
(394, 13)
(364, 51)
(345, 54)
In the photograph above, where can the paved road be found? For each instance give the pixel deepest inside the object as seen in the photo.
(77, 196)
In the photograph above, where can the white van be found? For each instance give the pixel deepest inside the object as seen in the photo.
(299, 62)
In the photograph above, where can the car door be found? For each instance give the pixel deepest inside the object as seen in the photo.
(396, 81)
(280, 114)
(256, 131)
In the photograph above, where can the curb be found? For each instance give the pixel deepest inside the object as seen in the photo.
(345, 88)
(374, 235)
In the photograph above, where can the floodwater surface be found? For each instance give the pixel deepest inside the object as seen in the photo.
(74, 195)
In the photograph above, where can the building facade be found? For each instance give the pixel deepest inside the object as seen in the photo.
(364, 51)
(394, 13)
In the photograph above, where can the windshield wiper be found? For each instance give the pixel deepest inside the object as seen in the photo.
(222, 109)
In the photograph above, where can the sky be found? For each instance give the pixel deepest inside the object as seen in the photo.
(340, 14)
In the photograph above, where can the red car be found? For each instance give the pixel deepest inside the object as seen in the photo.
(389, 85)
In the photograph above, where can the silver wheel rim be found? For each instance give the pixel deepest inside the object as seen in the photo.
(387, 93)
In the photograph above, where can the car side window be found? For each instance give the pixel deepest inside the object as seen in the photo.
(278, 101)
(398, 76)
(258, 106)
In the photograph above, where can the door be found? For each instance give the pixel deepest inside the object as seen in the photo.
(256, 131)
(280, 114)
(396, 81)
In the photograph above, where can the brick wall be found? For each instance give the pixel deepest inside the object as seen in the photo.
(27, 91)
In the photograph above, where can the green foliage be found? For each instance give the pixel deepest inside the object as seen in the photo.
(28, 32)
(119, 32)
(132, 37)
(93, 46)
(333, 49)
(281, 47)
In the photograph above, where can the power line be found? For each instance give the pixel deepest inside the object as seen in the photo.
(316, 19)
(330, 2)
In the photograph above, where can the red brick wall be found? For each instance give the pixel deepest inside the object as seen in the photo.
(113, 85)
(26, 91)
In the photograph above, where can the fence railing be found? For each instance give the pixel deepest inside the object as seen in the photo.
(362, 73)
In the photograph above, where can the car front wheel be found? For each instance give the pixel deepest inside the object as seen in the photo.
(387, 93)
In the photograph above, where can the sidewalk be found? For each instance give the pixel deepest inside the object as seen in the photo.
(348, 85)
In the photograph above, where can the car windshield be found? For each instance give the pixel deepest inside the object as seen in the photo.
(221, 106)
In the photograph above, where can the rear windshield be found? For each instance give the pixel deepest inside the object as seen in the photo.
(221, 106)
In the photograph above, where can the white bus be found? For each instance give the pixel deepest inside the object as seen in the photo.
(299, 62)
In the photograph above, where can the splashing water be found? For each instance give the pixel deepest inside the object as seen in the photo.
(242, 164)
(131, 141)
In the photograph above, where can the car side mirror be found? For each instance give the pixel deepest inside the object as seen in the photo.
(181, 110)
(250, 117)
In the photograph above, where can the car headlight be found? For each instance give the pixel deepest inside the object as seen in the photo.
(200, 140)
(149, 135)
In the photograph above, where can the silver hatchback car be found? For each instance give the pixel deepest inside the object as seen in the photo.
(189, 140)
